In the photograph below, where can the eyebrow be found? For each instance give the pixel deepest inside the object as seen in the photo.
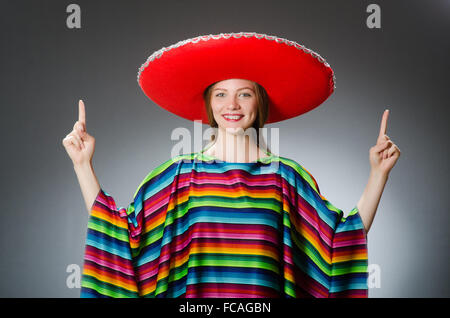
(226, 89)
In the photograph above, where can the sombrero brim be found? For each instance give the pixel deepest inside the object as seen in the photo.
(296, 79)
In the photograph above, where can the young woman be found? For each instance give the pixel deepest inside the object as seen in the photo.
(233, 220)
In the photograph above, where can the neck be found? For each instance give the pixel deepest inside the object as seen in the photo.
(235, 147)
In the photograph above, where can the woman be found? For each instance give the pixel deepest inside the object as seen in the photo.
(238, 108)
(227, 221)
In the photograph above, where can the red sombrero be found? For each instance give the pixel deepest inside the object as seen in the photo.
(296, 79)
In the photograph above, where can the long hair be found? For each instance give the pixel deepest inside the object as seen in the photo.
(262, 101)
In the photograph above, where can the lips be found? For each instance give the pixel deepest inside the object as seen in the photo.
(232, 117)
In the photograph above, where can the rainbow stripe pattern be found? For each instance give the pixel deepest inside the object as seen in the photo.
(198, 227)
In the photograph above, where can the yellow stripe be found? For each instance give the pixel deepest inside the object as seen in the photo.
(115, 282)
(233, 250)
(119, 222)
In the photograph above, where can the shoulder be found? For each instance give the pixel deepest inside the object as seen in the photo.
(165, 171)
(301, 171)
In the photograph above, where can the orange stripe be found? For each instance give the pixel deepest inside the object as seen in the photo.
(315, 241)
(350, 256)
(110, 218)
(236, 192)
(248, 249)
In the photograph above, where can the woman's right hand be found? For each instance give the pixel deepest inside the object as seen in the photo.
(80, 146)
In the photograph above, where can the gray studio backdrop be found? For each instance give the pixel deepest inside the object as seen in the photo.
(47, 67)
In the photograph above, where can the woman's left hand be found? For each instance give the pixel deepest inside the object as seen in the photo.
(385, 153)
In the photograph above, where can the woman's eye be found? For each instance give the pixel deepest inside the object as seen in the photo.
(219, 94)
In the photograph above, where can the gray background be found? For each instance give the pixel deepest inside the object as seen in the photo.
(46, 68)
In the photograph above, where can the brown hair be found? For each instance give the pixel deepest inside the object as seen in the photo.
(262, 101)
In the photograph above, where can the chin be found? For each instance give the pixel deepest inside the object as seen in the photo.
(234, 129)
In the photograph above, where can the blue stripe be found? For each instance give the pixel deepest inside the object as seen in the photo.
(107, 243)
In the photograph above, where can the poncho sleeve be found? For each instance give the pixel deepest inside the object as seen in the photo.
(113, 240)
(341, 241)
(349, 258)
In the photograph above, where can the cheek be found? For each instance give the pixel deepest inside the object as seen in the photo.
(253, 109)
(215, 106)
(215, 110)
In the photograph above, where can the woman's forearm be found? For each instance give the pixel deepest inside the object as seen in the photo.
(368, 203)
(88, 183)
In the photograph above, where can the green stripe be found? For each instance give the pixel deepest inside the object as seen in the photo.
(153, 235)
(178, 272)
(300, 170)
(106, 288)
(304, 245)
(161, 168)
(233, 260)
(108, 228)
(289, 288)
(355, 266)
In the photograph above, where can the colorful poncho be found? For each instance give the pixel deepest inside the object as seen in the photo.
(200, 227)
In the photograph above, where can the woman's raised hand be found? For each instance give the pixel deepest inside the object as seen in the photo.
(80, 146)
(385, 153)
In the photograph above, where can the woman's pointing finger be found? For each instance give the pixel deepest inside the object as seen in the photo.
(383, 126)
(82, 114)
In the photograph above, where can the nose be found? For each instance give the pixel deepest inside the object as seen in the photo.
(233, 104)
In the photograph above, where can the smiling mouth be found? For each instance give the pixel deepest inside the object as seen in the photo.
(232, 117)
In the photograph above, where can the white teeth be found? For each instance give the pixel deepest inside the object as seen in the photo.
(232, 117)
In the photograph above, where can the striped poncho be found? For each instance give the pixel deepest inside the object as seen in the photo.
(199, 227)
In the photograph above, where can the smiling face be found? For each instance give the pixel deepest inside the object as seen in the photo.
(234, 104)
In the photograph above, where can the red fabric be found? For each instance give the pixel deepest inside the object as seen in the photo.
(295, 81)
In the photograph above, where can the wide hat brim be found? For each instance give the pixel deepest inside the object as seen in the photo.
(296, 79)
